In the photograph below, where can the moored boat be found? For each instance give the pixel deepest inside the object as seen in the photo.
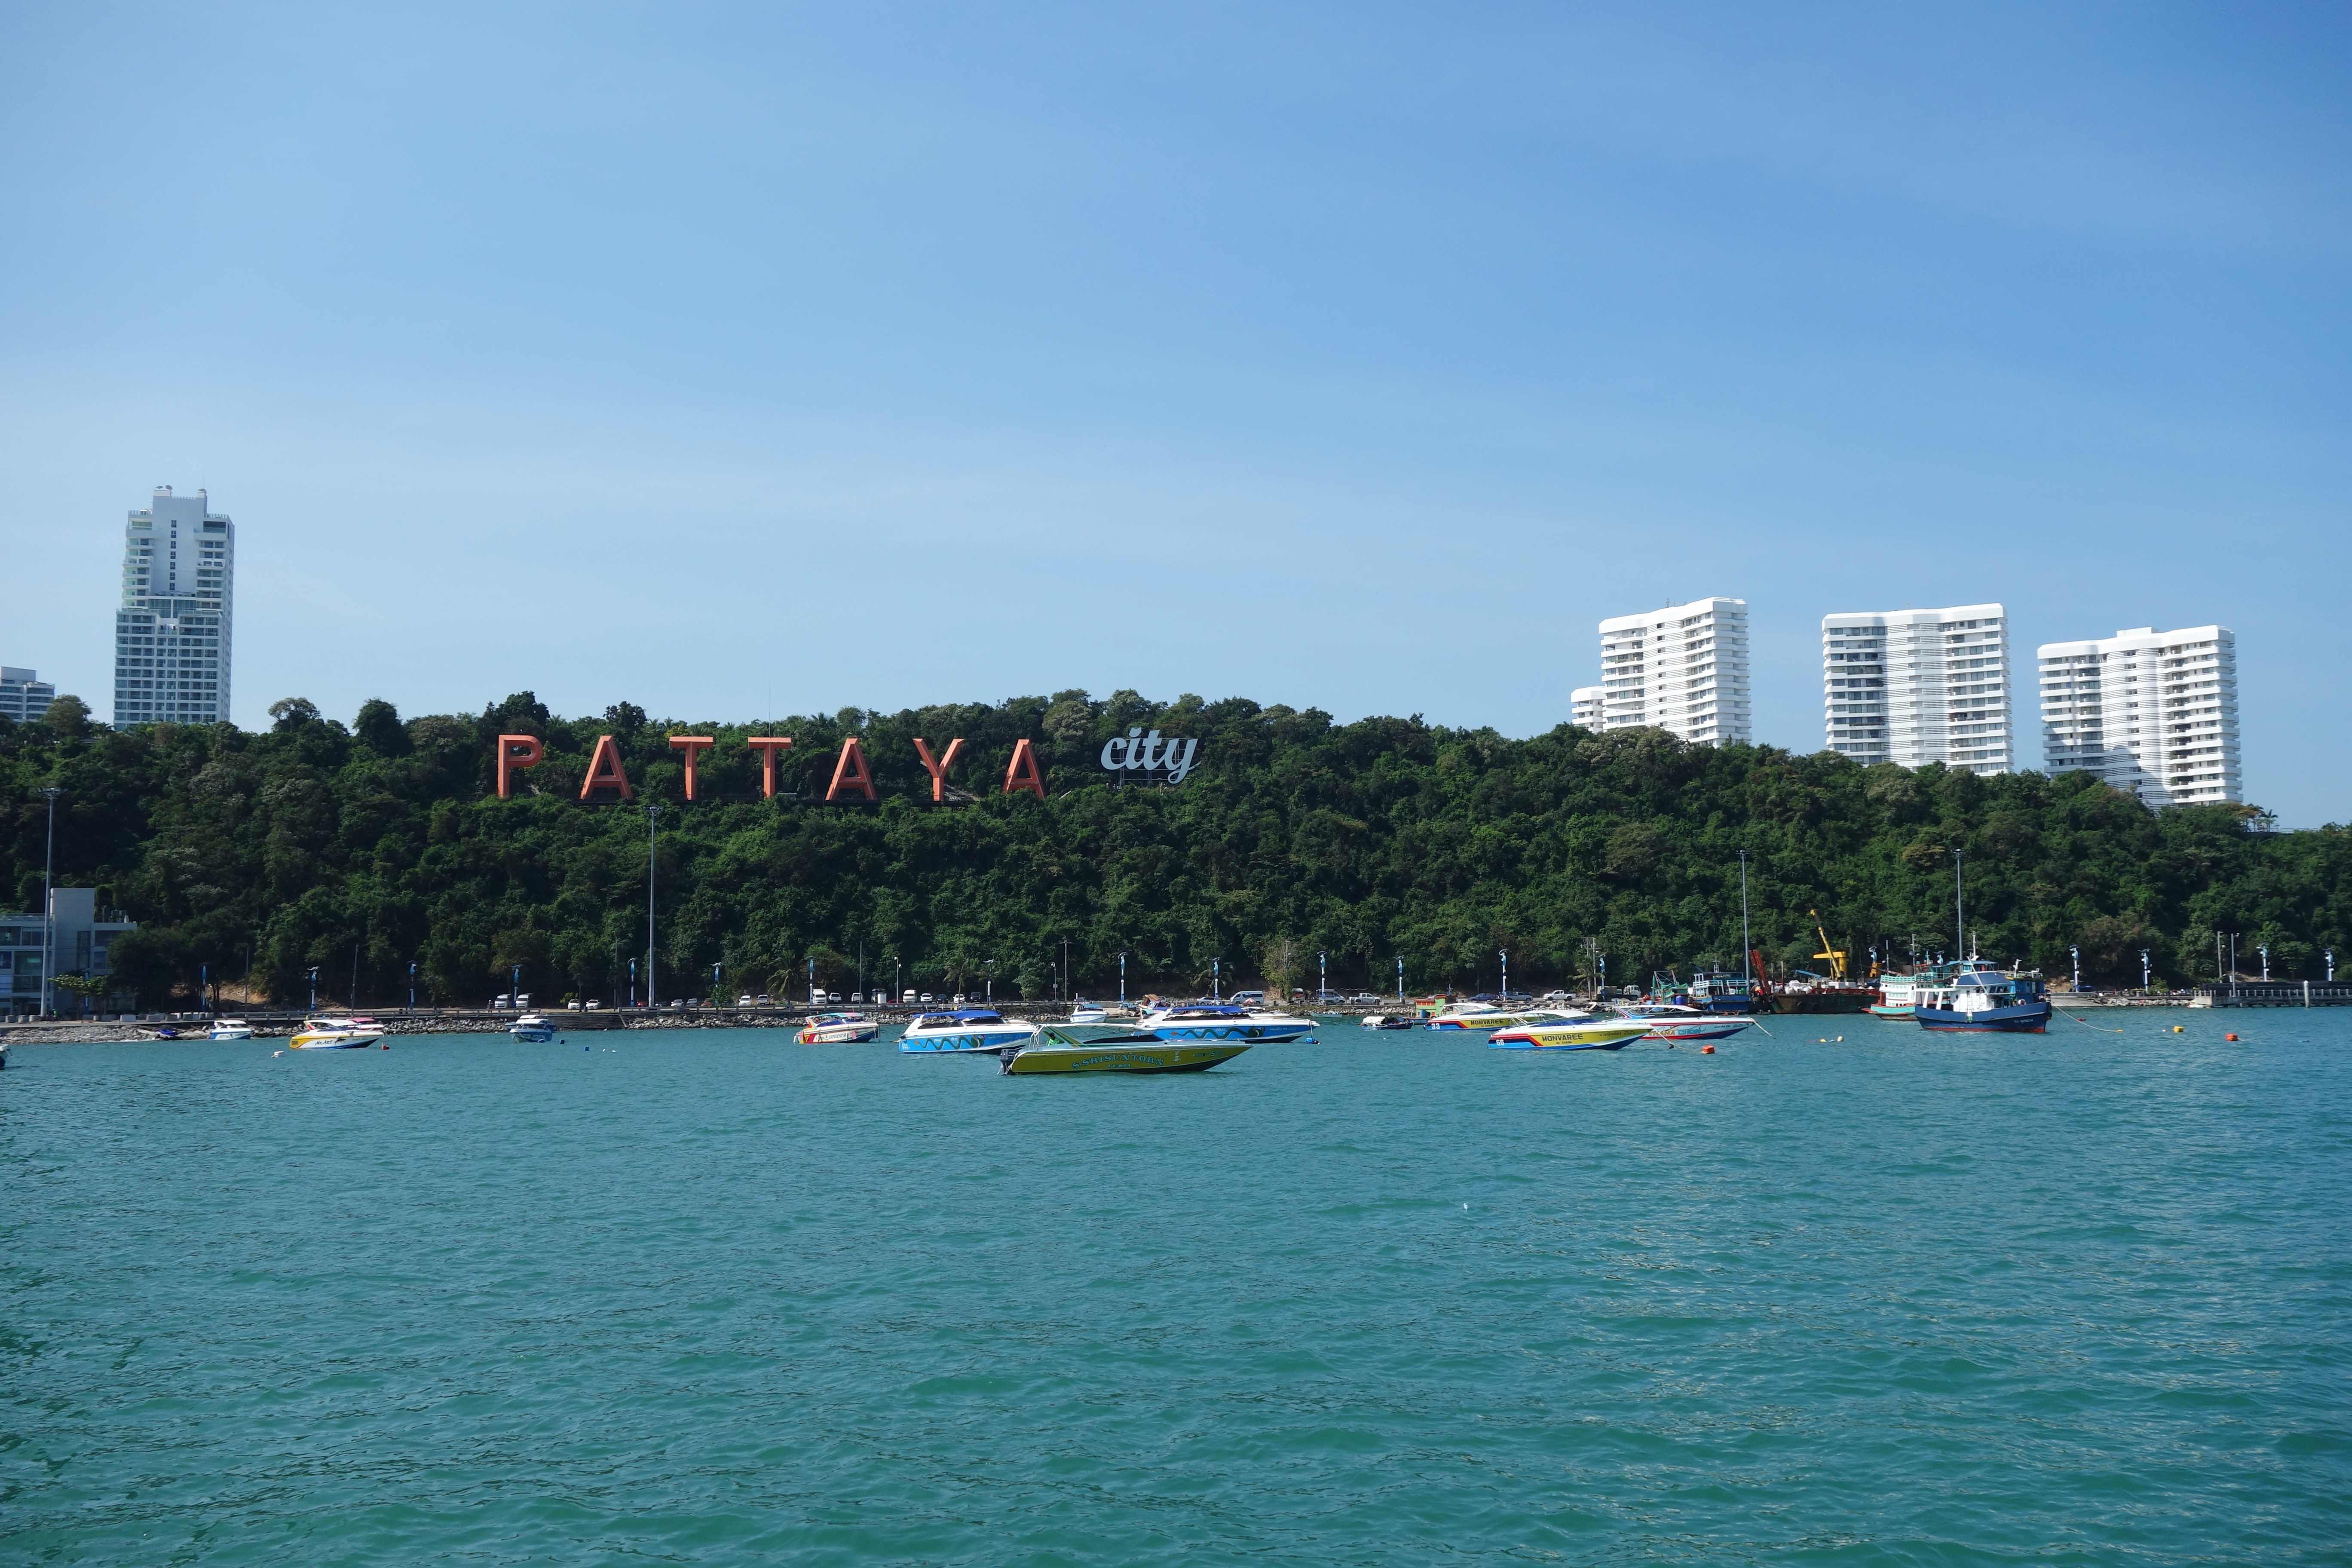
(1576, 1035)
(1668, 1021)
(837, 1029)
(965, 1031)
(1387, 1021)
(1984, 1001)
(1085, 1012)
(230, 1029)
(532, 1029)
(1223, 1021)
(1899, 993)
(336, 1035)
(1479, 1014)
(1130, 1051)
(1714, 991)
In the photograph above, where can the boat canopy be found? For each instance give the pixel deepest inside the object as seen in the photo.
(967, 1015)
(1208, 1010)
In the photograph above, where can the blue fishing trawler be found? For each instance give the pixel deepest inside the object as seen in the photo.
(1984, 1001)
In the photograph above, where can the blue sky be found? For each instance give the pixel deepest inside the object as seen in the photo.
(1356, 356)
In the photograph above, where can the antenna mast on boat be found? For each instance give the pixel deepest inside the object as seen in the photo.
(1746, 946)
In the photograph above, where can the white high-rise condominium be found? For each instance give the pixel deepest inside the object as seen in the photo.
(1916, 687)
(1584, 707)
(171, 633)
(24, 695)
(1683, 668)
(2149, 711)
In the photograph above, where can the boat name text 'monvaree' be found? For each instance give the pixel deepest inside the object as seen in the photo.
(1134, 752)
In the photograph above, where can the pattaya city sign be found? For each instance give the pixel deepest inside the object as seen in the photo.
(1136, 750)
(851, 779)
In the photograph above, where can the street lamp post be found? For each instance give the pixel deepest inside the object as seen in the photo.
(314, 991)
(412, 985)
(1747, 945)
(1323, 978)
(1959, 911)
(49, 904)
(2143, 980)
(1216, 981)
(2331, 966)
(991, 995)
(2076, 954)
(1503, 954)
(652, 820)
(812, 983)
(716, 988)
(2264, 949)
(1399, 963)
(895, 993)
(514, 988)
(1122, 980)
(633, 982)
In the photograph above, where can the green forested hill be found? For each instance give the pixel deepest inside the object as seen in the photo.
(1370, 841)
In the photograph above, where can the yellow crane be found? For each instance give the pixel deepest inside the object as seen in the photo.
(1835, 955)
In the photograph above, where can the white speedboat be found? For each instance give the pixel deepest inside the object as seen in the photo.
(532, 1029)
(1223, 1021)
(1476, 1014)
(1387, 1021)
(229, 1029)
(966, 1030)
(1671, 1021)
(837, 1029)
(336, 1035)
(1088, 1012)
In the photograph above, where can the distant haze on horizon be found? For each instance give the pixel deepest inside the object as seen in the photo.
(1363, 358)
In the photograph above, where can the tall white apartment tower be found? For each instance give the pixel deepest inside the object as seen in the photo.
(1683, 668)
(1916, 687)
(171, 633)
(2149, 711)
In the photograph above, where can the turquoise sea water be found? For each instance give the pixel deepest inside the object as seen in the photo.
(713, 1297)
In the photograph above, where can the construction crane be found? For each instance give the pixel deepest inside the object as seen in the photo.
(1835, 955)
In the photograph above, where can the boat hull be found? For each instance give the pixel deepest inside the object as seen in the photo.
(1168, 1057)
(839, 1034)
(1609, 1036)
(1888, 1010)
(1698, 1028)
(305, 1041)
(1243, 1034)
(974, 1041)
(1818, 1002)
(2025, 1018)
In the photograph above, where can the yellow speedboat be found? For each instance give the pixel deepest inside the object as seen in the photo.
(1126, 1052)
(336, 1035)
(1578, 1035)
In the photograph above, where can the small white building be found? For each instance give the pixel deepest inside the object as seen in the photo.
(1584, 707)
(73, 942)
(24, 695)
(1915, 686)
(172, 636)
(1682, 668)
(2152, 713)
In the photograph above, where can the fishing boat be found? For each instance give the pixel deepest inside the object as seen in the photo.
(1984, 1001)
(837, 1029)
(230, 1029)
(966, 1030)
(1713, 991)
(1129, 1051)
(336, 1035)
(532, 1029)
(1672, 1021)
(1223, 1021)
(1900, 994)
(1571, 1035)
(1476, 1014)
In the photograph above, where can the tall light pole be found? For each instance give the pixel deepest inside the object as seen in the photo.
(1747, 945)
(2331, 966)
(633, 982)
(1122, 979)
(2144, 972)
(1959, 912)
(991, 995)
(412, 985)
(50, 903)
(314, 989)
(653, 819)
(1399, 963)
(1504, 955)
(716, 988)
(895, 992)
(2264, 949)
(2076, 953)
(1323, 978)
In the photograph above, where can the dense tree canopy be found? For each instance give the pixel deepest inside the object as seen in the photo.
(1382, 839)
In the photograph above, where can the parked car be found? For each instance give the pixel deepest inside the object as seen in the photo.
(1557, 996)
(1244, 998)
(746, 1000)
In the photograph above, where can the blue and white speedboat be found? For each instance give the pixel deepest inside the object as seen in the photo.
(532, 1029)
(966, 1029)
(1223, 1021)
(1984, 1001)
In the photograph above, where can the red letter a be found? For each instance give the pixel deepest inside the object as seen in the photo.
(1025, 773)
(604, 770)
(850, 773)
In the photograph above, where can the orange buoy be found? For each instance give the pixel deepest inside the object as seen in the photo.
(2228, 1037)
(388, 1048)
(1706, 1050)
